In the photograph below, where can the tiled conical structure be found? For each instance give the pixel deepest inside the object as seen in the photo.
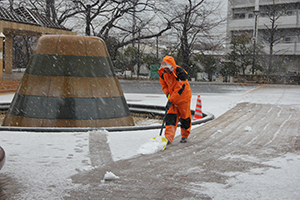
(69, 82)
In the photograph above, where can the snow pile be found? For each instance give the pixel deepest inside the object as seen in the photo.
(154, 145)
(110, 176)
(248, 129)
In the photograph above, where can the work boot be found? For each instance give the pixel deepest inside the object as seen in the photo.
(183, 140)
(168, 143)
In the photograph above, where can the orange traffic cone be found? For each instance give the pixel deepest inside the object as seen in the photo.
(198, 110)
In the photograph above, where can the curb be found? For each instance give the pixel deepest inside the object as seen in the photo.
(137, 108)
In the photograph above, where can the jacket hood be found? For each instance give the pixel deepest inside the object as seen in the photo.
(170, 60)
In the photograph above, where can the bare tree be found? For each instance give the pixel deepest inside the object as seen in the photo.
(193, 21)
(274, 12)
(121, 22)
(11, 5)
(102, 18)
(240, 56)
(130, 22)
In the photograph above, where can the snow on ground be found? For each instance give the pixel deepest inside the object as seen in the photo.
(7, 98)
(44, 162)
(257, 183)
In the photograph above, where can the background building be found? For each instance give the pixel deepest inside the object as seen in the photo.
(278, 24)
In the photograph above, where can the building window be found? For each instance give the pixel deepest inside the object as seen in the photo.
(250, 15)
(239, 16)
(290, 39)
(278, 13)
(263, 14)
(290, 12)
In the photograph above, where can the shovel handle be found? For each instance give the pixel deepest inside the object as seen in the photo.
(163, 123)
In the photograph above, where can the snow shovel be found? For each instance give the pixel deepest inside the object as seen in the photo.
(155, 144)
(159, 138)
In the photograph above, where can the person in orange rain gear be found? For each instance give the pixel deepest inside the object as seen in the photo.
(174, 82)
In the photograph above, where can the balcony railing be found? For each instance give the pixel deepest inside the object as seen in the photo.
(248, 24)
(285, 49)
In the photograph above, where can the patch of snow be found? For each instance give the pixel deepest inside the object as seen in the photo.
(110, 176)
(248, 129)
(278, 182)
(6, 98)
(216, 133)
(241, 157)
(153, 145)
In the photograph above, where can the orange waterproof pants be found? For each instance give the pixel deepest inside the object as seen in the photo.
(176, 113)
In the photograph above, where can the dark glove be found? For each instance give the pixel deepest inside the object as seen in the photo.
(169, 104)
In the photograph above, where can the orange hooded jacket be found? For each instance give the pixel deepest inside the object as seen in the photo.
(176, 83)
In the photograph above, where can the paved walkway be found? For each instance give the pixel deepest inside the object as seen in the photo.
(242, 140)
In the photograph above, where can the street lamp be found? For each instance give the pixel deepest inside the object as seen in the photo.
(256, 13)
(2, 36)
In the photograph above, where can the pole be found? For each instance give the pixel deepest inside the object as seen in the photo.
(254, 44)
(157, 47)
(133, 24)
(255, 31)
(2, 36)
(138, 56)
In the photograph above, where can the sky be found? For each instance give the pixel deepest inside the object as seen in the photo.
(44, 162)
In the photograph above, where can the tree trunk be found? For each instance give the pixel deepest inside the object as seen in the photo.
(271, 48)
(50, 10)
(270, 59)
(88, 20)
(185, 51)
(138, 57)
(11, 3)
(53, 11)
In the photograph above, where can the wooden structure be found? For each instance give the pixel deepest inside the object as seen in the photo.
(22, 21)
(69, 82)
